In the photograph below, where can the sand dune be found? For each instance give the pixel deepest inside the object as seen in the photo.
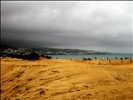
(60, 79)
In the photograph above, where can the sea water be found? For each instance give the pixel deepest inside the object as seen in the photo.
(92, 56)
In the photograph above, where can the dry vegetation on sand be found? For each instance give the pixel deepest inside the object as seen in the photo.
(60, 79)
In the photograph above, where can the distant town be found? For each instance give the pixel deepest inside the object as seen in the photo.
(5, 50)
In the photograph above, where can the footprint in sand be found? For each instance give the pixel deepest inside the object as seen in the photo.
(27, 88)
(86, 86)
(29, 79)
(19, 73)
(42, 91)
(41, 79)
(42, 71)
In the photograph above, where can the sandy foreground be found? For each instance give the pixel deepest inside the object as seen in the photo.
(60, 79)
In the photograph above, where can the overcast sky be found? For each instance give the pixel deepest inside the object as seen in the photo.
(89, 25)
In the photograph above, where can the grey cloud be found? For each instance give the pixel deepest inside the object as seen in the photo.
(105, 26)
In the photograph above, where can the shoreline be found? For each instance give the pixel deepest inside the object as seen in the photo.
(93, 61)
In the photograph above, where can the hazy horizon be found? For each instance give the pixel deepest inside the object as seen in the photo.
(85, 25)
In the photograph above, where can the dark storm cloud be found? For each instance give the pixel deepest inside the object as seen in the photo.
(105, 26)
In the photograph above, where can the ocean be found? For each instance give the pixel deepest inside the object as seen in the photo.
(92, 56)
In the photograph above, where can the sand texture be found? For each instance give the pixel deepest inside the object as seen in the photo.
(61, 79)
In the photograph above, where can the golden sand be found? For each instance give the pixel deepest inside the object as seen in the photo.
(60, 79)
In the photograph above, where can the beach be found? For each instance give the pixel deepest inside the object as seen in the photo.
(66, 79)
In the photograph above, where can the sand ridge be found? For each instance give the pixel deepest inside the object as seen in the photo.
(66, 79)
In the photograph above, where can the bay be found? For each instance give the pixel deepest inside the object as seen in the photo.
(92, 56)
